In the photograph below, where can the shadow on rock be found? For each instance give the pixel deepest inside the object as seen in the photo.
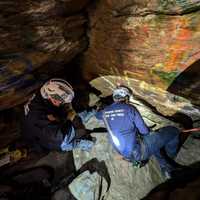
(185, 184)
(92, 166)
(29, 184)
(38, 182)
(187, 83)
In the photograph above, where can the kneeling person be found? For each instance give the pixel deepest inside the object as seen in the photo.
(131, 137)
(50, 122)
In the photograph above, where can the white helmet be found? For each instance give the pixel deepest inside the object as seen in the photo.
(57, 89)
(121, 92)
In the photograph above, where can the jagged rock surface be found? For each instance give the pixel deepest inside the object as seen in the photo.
(126, 181)
(160, 101)
(37, 38)
(156, 42)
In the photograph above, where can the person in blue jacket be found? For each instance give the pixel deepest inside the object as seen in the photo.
(131, 137)
(51, 123)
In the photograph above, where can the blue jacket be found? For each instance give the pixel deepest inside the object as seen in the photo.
(124, 122)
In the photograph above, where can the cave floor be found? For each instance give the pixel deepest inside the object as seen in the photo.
(126, 182)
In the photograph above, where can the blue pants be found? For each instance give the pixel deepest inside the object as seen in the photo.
(167, 138)
(69, 143)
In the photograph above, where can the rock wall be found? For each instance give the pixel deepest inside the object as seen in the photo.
(37, 39)
(160, 101)
(155, 42)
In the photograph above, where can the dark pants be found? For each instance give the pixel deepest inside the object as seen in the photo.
(167, 138)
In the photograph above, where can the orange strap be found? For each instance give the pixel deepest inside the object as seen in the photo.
(191, 130)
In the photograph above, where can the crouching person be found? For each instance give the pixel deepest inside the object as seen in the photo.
(131, 137)
(50, 122)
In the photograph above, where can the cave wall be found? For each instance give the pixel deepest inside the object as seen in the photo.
(150, 42)
(148, 45)
(37, 39)
(154, 42)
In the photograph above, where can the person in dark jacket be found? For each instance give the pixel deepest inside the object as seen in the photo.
(131, 137)
(51, 123)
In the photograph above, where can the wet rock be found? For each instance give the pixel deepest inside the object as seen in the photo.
(155, 42)
(37, 39)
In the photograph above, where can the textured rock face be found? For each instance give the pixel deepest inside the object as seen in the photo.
(36, 39)
(159, 101)
(127, 182)
(152, 41)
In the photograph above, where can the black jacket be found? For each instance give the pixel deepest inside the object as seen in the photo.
(38, 130)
